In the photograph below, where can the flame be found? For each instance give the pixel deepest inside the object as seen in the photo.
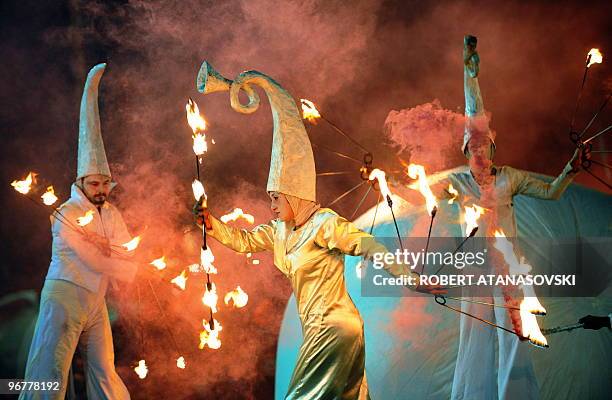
(210, 297)
(141, 369)
(85, 219)
(530, 327)
(471, 216)
(379, 175)
(416, 171)
(309, 111)
(199, 144)
(194, 118)
(25, 185)
(210, 337)
(180, 280)
(453, 192)
(206, 260)
(159, 263)
(594, 57)
(236, 214)
(132, 244)
(507, 249)
(198, 190)
(49, 196)
(238, 296)
(180, 362)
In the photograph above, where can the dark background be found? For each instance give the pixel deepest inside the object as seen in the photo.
(356, 60)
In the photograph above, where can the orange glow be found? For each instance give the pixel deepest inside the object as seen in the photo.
(235, 215)
(24, 185)
(238, 297)
(309, 111)
(417, 172)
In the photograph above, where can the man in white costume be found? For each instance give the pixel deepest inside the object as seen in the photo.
(84, 261)
(493, 187)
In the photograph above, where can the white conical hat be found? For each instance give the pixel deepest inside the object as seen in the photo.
(292, 165)
(91, 157)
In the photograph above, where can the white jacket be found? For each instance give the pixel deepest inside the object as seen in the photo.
(76, 260)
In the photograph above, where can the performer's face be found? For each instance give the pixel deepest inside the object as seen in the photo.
(97, 188)
(280, 206)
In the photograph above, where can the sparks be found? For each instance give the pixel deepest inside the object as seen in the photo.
(235, 215)
(379, 175)
(309, 111)
(24, 185)
(180, 362)
(417, 172)
(141, 369)
(210, 298)
(132, 244)
(85, 219)
(159, 263)
(237, 296)
(594, 57)
(180, 280)
(210, 337)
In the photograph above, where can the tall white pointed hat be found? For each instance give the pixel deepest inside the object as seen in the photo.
(292, 166)
(91, 157)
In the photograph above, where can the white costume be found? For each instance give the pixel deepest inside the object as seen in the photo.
(475, 376)
(72, 307)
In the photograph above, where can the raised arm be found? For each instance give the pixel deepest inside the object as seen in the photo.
(471, 68)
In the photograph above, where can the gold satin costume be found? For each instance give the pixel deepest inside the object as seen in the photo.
(331, 359)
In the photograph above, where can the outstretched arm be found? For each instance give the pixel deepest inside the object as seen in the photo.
(523, 183)
(337, 233)
(258, 239)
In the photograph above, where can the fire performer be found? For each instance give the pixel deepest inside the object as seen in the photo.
(309, 244)
(73, 307)
(493, 187)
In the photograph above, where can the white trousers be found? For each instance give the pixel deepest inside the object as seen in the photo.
(476, 374)
(69, 316)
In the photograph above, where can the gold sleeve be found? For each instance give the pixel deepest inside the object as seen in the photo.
(337, 233)
(258, 239)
